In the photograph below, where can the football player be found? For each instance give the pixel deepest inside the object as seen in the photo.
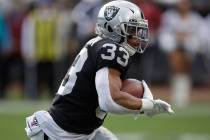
(91, 87)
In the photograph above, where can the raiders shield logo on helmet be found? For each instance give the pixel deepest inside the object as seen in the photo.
(111, 12)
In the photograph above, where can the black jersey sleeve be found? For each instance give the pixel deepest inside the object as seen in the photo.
(113, 56)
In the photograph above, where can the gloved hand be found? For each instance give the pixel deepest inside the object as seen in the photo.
(154, 107)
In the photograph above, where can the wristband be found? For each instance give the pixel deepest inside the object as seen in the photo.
(146, 105)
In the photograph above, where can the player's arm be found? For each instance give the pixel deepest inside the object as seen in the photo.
(120, 97)
(113, 100)
(109, 93)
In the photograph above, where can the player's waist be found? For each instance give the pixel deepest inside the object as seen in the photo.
(76, 123)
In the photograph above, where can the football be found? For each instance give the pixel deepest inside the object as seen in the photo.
(133, 87)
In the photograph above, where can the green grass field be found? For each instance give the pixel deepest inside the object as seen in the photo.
(191, 123)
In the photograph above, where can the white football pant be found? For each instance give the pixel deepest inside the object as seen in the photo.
(41, 123)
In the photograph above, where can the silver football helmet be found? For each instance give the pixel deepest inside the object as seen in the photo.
(119, 20)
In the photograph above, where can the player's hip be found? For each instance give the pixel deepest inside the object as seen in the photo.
(41, 126)
(42, 122)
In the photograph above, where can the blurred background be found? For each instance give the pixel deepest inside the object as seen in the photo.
(40, 38)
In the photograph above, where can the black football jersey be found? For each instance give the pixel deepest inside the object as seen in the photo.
(76, 106)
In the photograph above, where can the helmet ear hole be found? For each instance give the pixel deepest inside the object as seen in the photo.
(110, 28)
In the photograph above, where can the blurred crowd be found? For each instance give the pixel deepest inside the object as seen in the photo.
(39, 39)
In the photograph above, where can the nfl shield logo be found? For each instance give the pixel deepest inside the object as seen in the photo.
(111, 12)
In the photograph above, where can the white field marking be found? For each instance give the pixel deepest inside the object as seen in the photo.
(25, 106)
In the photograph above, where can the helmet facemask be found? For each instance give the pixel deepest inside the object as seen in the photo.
(137, 30)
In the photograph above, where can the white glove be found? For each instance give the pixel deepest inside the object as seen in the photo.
(154, 107)
(147, 93)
